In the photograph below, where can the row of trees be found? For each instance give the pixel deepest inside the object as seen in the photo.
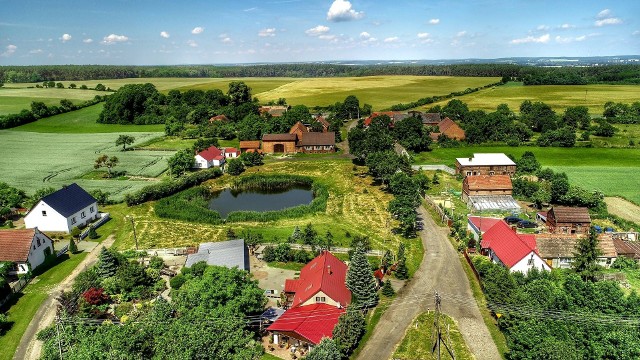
(40, 110)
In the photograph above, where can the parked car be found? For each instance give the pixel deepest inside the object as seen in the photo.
(512, 219)
(271, 293)
(527, 224)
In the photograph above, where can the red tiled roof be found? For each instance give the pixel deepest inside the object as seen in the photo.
(291, 285)
(483, 223)
(566, 214)
(451, 129)
(508, 246)
(15, 244)
(249, 144)
(231, 150)
(323, 121)
(489, 182)
(212, 153)
(390, 114)
(298, 126)
(279, 137)
(312, 322)
(325, 273)
(318, 138)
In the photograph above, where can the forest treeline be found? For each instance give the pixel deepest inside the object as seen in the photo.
(530, 75)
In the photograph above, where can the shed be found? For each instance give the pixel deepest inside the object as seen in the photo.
(232, 253)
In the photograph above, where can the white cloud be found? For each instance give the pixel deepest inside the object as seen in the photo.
(65, 37)
(635, 33)
(341, 10)
(605, 17)
(227, 40)
(164, 34)
(542, 28)
(391, 39)
(423, 35)
(317, 31)
(192, 43)
(609, 21)
(10, 50)
(113, 38)
(425, 38)
(567, 26)
(87, 41)
(250, 9)
(581, 38)
(197, 30)
(36, 51)
(531, 39)
(461, 33)
(434, 21)
(327, 37)
(267, 32)
(365, 35)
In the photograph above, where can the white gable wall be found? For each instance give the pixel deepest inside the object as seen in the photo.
(202, 163)
(54, 221)
(532, 260)
(38, 253)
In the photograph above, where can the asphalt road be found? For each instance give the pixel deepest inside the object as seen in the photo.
(30, 347)
(440, 271)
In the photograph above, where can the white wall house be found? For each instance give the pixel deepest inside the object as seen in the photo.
(528, 262)
(27, 248)
(231, 153)
(63, 210)
(209, 158)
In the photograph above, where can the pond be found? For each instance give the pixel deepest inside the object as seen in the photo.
(228, 201)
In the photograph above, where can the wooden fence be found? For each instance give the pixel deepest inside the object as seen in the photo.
(15, 287)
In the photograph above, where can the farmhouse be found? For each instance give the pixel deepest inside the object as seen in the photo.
(428, 119)
(315, 301)
(299, 140)
(27, 249)
(63, 210)
(558, 249)
(485, 164)
(232, 253)
(231, 153)
(209, 158)
(568, 220)
(627, 248)
(325, 124)
(394, 115)
(517, 252)
(273, 110)
(479, 225)
(250, 146)
(489, 192)
(448, 128)
(279, 143)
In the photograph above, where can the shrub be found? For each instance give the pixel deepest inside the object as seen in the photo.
(92, 233)
(177, 281)
(156, 262)
(95, 296)
(188, 205)
(167, 188)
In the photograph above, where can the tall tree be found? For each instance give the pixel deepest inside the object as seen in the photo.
(238, 93)
(585, 259)
(360, 280)
(402, 272)
(106, 161)
(107, 263)
(349, 330)
(180, 162)
(326, 350)
(125, 140)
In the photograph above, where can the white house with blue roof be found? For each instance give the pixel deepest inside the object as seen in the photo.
(63, 210)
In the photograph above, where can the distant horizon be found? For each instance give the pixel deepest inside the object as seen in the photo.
(43, 32)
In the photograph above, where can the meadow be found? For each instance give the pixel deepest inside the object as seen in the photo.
(610, 170)
(15, 97)
(558, 97)
(31, 161)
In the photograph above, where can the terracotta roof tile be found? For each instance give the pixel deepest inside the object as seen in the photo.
(325, 273)
(508, 246)
(566, 214)
(15, 244)
(312, 322)
(212, 153)
(279, 137)
(318, 138)
(489, 182)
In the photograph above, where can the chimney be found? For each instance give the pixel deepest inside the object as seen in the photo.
(329, 269)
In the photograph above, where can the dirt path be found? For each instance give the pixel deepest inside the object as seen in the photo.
(623, 208)
(29, 347)
(440, 270)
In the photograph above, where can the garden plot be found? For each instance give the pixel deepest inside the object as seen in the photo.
(32, 161)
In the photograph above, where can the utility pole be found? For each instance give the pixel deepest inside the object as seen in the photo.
(437, 331)
(133, 225)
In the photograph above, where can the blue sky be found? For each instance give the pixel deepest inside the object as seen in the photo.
(148, 32)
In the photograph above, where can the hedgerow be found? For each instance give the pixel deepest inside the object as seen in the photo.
(167, 188)
(188, 205)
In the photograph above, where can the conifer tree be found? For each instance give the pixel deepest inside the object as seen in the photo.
(108, 264)
(72, 246)
(402, 272)
(349, 330)
(92, 233)
(360, 280)
(585, 259)
(387, 290)
(297, 235)
(326, 350)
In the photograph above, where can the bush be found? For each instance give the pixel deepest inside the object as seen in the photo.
(156, 262)
(623, 262)
(167, 188)
(188, 205)
(177, 281)
(92, 233)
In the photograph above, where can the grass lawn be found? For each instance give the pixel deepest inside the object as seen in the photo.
(16, 97)
(610, 170)
(417, 340)
(625, 134)
(266, 356)
(57, 159)
(83, 121)
(354, 207)
(558, 97)
(379, 91)
(23, 310)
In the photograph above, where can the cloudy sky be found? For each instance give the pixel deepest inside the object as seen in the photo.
(147, 32)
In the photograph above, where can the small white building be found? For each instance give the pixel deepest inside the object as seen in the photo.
(209, 158)
(231, 153)
(27, 248)
(63, 210)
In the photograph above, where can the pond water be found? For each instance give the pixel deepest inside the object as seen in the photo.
(227, 201)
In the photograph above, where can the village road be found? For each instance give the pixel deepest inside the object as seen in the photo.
(30, 347)
(440, 271)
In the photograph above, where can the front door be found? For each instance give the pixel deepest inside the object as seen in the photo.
(278, 148)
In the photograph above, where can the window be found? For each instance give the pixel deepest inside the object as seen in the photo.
(91, 209)
(468, 173)
(73, 220)
(44, 213)
(38, 242)
(82, 215)
(491, 173)
(530, 261)
(321, 299)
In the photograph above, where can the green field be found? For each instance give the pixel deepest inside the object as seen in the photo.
(610, 170)
(558, 97)
(31, 161)
(15, 97)
(83, 121)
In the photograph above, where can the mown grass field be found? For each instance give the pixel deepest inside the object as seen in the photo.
(558, 97)
(32, 296)
(31, 161)
(417, 343)
(15, 97)
(354, 207)
(83, 121)
(610, 170)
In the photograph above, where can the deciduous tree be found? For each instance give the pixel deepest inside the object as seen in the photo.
(106, 161)
(125, 140)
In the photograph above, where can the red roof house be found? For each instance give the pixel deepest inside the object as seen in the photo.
(26, 248)
(518, 252)
(209, 157)
(231, 153)
(479, 225)
(308, 323)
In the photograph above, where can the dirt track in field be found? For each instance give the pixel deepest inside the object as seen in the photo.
(623, 208)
